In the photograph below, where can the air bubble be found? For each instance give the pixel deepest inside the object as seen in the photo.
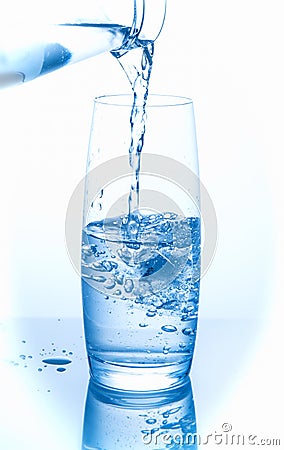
(119, 279)
(151, 421)
(151, 313)
(169, 328)
(128, 285)
(107, 265)
(166, 350)
(188, 331)
(99, 279)
(117, 292)
(109, 284)
(174, 410)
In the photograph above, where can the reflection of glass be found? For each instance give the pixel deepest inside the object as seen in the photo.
(127, 420)
(141, 263)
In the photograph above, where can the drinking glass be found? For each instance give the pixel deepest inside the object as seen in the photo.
(141, 244)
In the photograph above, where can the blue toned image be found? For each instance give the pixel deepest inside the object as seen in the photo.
(141, 243)
(140, 297)
(118, 419)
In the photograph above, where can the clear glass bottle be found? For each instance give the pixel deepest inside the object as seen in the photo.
(48, 37)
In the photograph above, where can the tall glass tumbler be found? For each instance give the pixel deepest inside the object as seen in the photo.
(141, 244)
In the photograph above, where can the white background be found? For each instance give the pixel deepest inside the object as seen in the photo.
(228, 57)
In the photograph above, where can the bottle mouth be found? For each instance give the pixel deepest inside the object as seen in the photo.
(148, 21)
(150, 15)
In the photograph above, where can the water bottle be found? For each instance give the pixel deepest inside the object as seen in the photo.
(51, 35)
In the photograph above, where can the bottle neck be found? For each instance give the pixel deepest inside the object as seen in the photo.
(148, 20)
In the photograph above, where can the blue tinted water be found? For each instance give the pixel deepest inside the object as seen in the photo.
(122, 420)
(140, 292)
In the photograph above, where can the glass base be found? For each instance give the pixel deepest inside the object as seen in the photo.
(139, 378)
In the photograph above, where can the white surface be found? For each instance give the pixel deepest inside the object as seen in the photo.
(232, 383)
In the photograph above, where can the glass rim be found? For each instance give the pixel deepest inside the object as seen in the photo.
(153, 100)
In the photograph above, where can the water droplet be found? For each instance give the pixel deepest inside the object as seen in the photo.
(63, 351)
(48, 390)
(39, 370)
(164, 421)
(151, 421)
(30, 356)
(106, 297)
(61, 369)
(23, 356)
(182, 345)
(151, 313)
(57, 361)
(54, 350)
(24, 342)
(166, 350)
(169, 328)
(128, 285)
(143, 325)
(188, 331)
(101, 193)
(70, 353)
